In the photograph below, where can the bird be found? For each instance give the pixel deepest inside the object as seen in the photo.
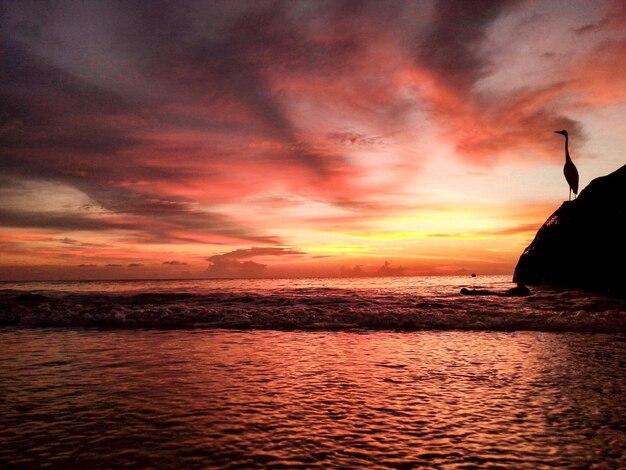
(569, 169)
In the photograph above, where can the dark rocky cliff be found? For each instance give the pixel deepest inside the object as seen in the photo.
(583, 244)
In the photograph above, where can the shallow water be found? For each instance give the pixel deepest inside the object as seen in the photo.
(407, 304)
(242, 399)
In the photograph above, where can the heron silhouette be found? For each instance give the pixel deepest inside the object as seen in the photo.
(569, 169)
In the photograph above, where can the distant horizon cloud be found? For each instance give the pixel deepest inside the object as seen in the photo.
(385, 270)
(238, 263)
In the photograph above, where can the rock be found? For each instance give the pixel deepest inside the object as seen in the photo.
(583, 244)
(519, 291)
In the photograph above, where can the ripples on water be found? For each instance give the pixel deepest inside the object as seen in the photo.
(311, 304)
(351, 393)
(86, 398)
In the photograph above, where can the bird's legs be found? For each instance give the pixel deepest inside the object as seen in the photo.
(570, 194)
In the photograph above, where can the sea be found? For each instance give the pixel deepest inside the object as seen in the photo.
(310, 373)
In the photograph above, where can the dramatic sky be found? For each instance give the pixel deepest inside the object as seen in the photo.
(267, 138)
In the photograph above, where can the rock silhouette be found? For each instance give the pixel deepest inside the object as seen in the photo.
(583, 243)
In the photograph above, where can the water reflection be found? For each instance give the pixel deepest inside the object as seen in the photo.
(262, 398)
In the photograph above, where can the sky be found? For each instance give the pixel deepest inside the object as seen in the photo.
(193, 139)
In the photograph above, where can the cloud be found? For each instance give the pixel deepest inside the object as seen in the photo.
(355, 138)
(160, 219)
(367, 270)
(57, 220)
(522, 229)
(174, 263)
(589, 28)
(74, 134)
(387, 270)
(238, 263)
(77, 243)
(485, 126)
(247, 253)
(450, 50)
(196, 123)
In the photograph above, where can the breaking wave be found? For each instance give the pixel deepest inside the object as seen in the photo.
(313, 307)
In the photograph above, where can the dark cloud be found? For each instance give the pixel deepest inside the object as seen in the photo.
(154, 215)
(246, 253)
(235, 63)
(589, 28)
(451, 47)
(69, 241)
(238, 263)
(56, 220)
(72, 242)
(235, 269)
(388, 270)
(356, 138)
(353, 271)
(57, 125)
(499, 123)
(157, 220)
(175, 263)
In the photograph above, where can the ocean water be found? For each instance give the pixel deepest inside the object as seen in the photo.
(405, 303)
(374, 373)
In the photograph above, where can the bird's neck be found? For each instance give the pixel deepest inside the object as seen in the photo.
(567, 157)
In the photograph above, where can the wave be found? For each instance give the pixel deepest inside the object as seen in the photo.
(315, 309)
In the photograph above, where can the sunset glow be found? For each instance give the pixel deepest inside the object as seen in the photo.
(307, 138)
